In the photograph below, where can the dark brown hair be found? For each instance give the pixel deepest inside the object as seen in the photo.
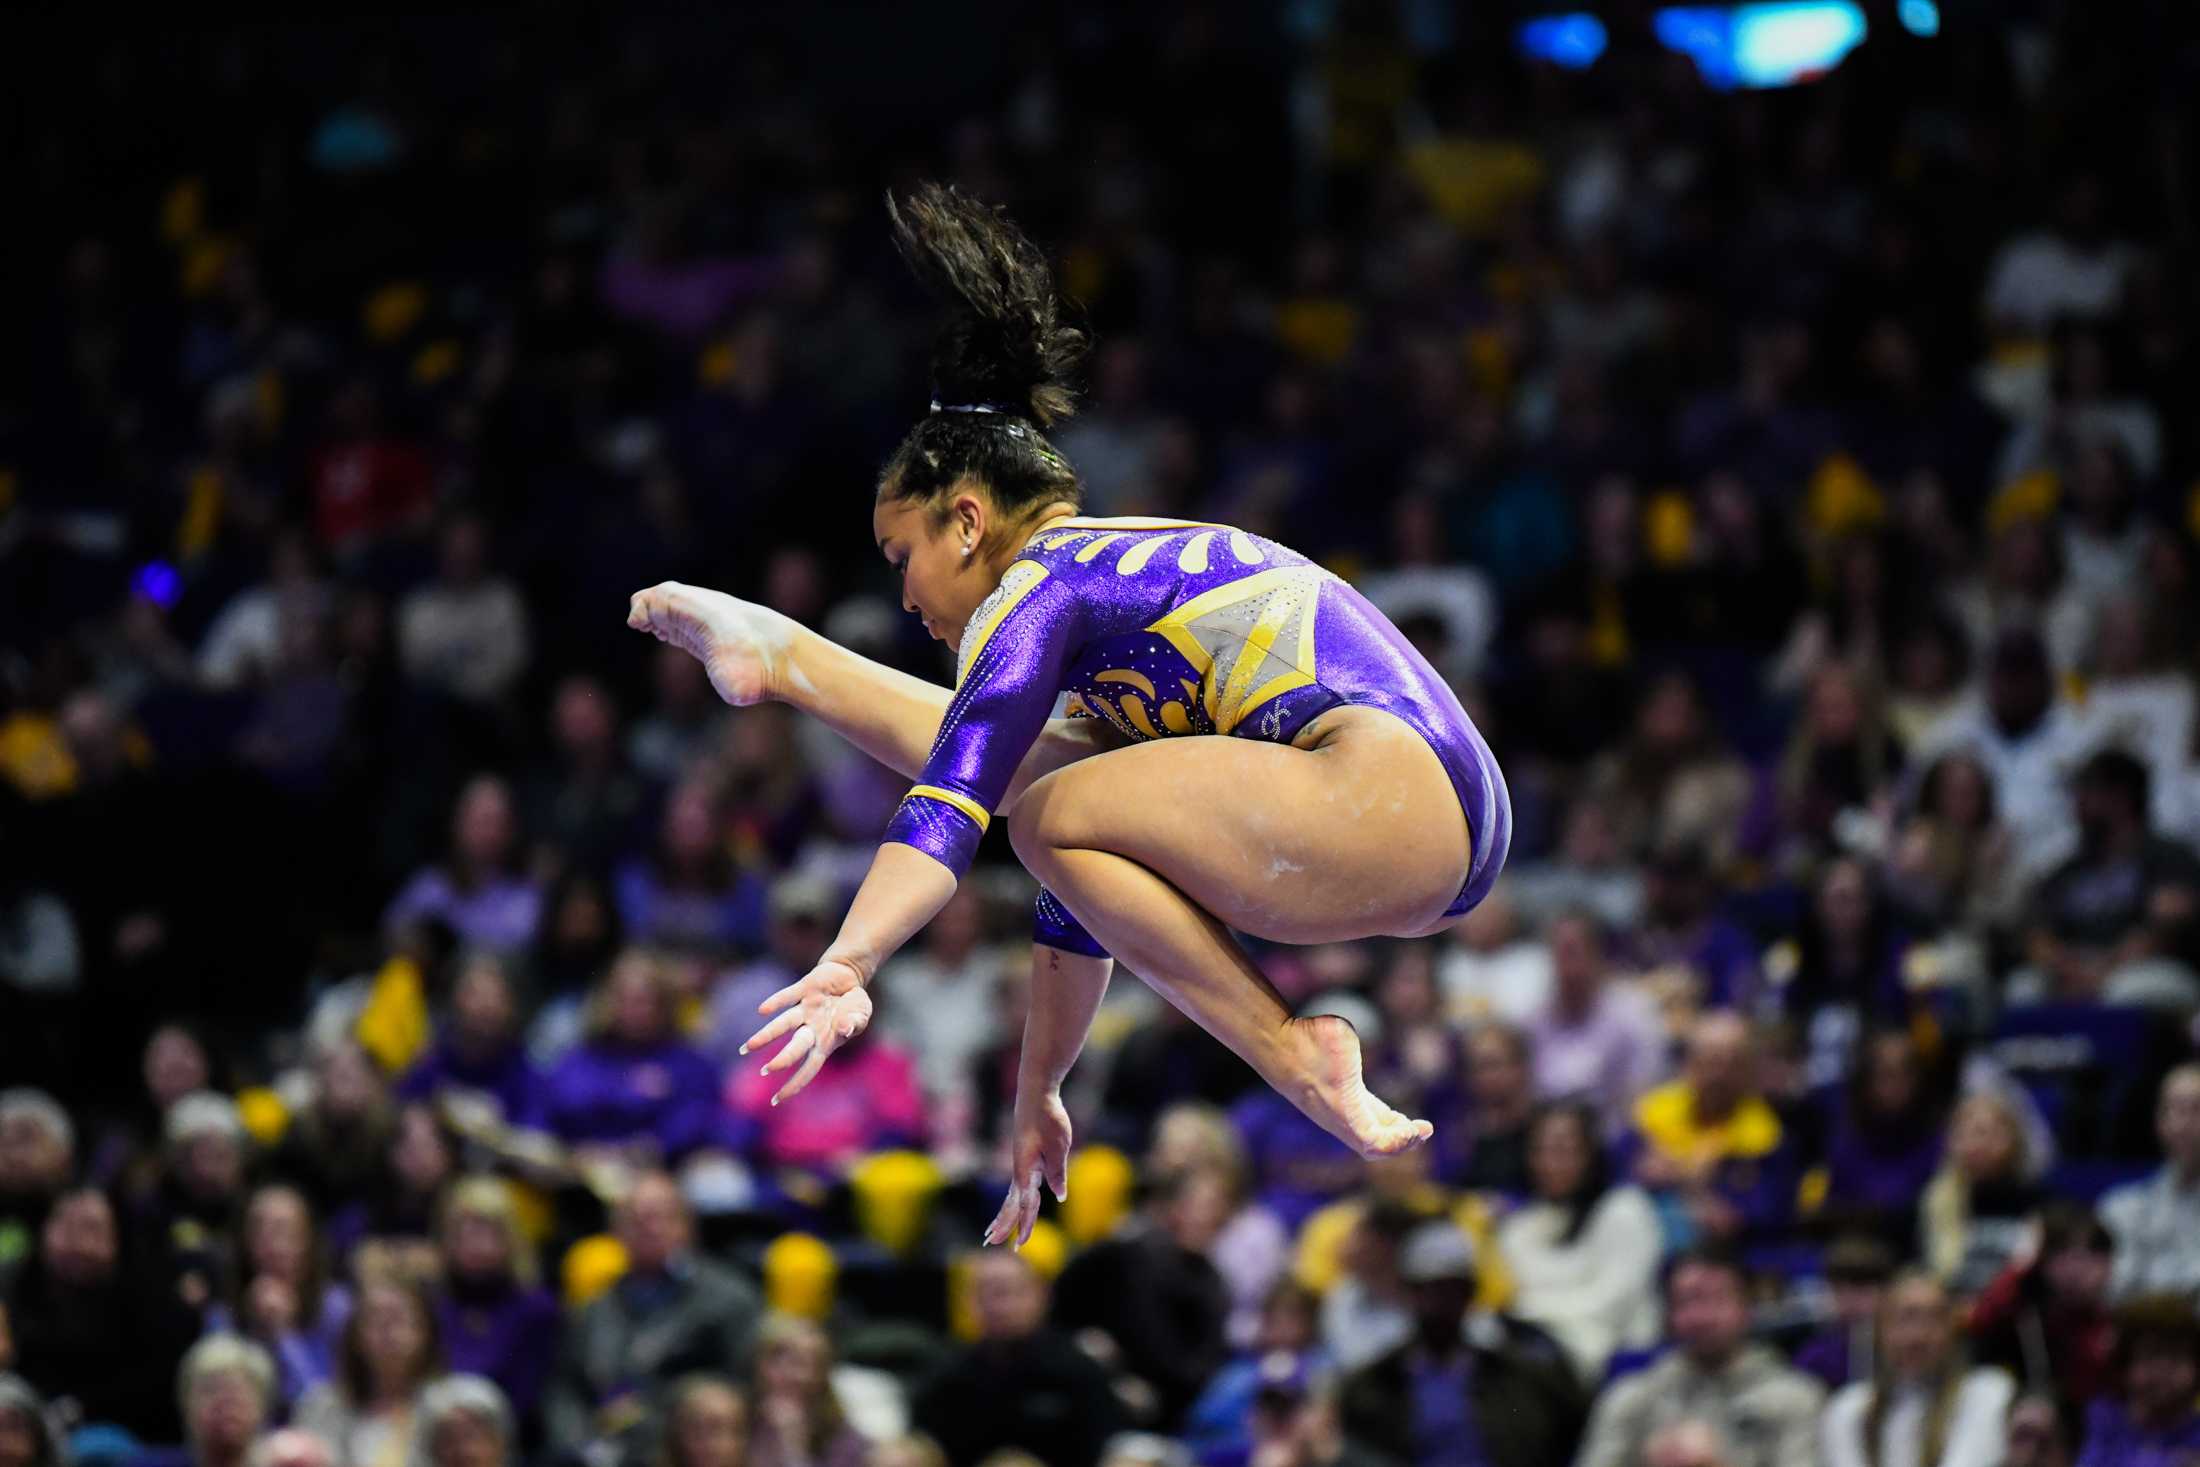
(1001, 366)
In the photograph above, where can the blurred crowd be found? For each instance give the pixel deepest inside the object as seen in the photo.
(1794, 485)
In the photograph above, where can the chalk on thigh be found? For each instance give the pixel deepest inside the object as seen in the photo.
(1360, 836)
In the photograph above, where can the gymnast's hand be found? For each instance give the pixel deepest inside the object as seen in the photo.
(823, 1011)
(1039, 1154)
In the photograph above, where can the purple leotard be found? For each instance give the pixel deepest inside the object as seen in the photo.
(1166, 627)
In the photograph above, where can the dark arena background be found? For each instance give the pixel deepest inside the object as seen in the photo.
(1775, 420)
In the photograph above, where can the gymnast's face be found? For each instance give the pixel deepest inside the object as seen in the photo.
(942, 560)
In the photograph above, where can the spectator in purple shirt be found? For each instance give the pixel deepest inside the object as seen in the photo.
(635, 1087)
(1682, 930)
(495, 1319)
(1595, 1040)
(689, 894)
(477, 1053)
(2158, 1361)
(479, 889)
(1886, 1140)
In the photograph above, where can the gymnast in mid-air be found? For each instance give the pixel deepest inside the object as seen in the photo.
(1247, 742)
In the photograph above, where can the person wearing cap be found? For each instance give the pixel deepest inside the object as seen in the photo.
(1468, 1390)
(1767, 1412)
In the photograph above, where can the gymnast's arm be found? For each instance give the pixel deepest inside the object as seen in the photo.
(895, 718)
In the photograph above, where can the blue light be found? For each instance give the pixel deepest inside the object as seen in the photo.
(1573, 41)
(1919, 17)
(157, 582)
(1773, 44)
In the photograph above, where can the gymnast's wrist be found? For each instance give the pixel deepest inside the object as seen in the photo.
(855, 959)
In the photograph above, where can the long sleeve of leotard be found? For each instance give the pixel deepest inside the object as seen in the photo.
(1009, 674)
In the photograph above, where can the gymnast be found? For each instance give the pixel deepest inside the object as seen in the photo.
(1247, 742)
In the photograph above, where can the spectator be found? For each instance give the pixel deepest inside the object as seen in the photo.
(2156, 1223)
(1296, 1422)
(937, 999)
(666, 744)
(27, 1437)
(1849, 969)
(1286, 1348)
(91, 1330)
(672, 1312)
(465, 1422)
(1980, 1208)
(635, 1093)
(798, 1420)
(1840, 757)
(2096, 934)
(1858, 1270)
(37, 1158)
(227, 1387)
(1766, 1411)
(2024, 740)
(284, 1299)
(2042, 1431)
(688, 896)
(1597, 1039)
(1491, 968)
(802, 910)
(1693, 957)
(495, 1320)
(707, 1424)
(2158, 1367)
(393, 1226)
(1952, 859)
(477, 1065)
(1463, 1387)
(1921, 1406)
(1500, 1072)
(2047, 1317)
(335, 1146)
(1707, 1146)
(369, 1412)
(1152, 1296)
(1418, 1056)
(1251, 1250)
(1583, 1253)
(1885, 1140)
(869, 1099)
(479, 889)
(583, 803)
(1020, 1384)
(189, 1226)
(1673, 783)
(465, 633)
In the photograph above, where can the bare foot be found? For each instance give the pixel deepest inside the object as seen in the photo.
(1339, 1101)
(742, 646)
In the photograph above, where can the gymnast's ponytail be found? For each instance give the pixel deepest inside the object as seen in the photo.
(1002, 364)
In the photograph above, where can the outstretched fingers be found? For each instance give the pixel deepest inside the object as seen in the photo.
(805, 1040)
(772, 1030)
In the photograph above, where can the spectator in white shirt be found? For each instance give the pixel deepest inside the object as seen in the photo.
(2156, 1223)
(1922, 1407)
(466, 632)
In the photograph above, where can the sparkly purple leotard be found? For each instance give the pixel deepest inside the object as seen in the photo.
(1167, 627)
